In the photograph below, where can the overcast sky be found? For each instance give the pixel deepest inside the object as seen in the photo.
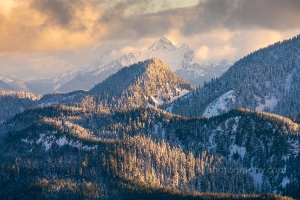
(47, 37)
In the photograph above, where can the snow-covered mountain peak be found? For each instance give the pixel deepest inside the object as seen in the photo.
(162, 44)
(180, 59)
(163, 39)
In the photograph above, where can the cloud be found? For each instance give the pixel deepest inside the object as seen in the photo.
(128, 20)
(47, 64)
(133, 19)
(267, 14)
(202, 53)
(58, 12)
(59, 35)
(242, 14)
(47, 25)
(252, 40)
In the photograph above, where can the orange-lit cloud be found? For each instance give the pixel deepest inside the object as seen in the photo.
(46, 25)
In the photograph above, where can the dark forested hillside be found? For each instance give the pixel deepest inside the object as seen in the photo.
(267, 79)
(68, 152)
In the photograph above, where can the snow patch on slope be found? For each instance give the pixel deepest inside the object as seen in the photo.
(62, 141)
(6, 79)
(269, 104)
(257, 177)
(155, 132)
(285, 181)
(221, 105)
(47, 104)
(236, 149)
(47, 140)
(212, 143)
(158, 100)
(294, 147)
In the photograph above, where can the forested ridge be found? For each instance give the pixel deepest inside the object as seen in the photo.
(62, 147)
(267, 79)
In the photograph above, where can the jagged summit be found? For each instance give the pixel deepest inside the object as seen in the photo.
(163, 39)
(162, 44)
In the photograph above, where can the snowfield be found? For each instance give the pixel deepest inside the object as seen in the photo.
(159, 101)
(221, 105)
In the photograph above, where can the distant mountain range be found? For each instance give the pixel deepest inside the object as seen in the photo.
(180, 60)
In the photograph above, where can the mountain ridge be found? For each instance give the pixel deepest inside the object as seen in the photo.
(143, 81)
(232, 140)
(265, 80)
(148, 83)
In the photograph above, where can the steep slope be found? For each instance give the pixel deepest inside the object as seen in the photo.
(149, 82)
(267, 80)
(66, 81)
(87, 80)
(5, 86)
